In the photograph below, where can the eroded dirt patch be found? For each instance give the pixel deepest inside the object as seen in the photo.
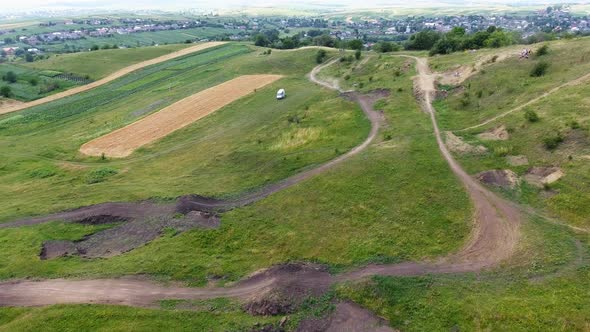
(504, 178)
(519, 160)
(457, 145)
(348, 316)
(495, 134)
(540, 176)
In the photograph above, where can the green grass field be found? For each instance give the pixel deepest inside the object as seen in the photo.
(362, 205)
(98, 64)
(24, 90)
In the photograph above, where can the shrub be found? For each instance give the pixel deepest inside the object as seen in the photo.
(531, 116)
(502, 151)
(540, 69)
(552, 142)
(10, 77)
(543, 50)
(347, 77)
(574, 124)
(5, 91)
(357, 54)
(100, 174)
(33, 81)
(42, 173)
(320, 56)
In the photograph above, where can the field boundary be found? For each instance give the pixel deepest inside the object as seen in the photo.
(122, 142)
(118, 74)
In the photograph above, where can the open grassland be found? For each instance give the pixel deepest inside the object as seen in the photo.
(122, 142)
(99, 64)
(359, 212)
(562, 114)
(238, 148)
(545, 290)
(118, 74)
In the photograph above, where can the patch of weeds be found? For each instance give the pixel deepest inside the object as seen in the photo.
(552, 142)
(574, 124)
(540, 69)
(313, 307)
(502, 151)
(42, 173)
(100, 174)
(531, 116)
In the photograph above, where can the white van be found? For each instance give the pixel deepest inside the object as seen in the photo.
(281, 94)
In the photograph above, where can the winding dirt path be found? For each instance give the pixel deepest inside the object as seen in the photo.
(494, 238)
(111, 77)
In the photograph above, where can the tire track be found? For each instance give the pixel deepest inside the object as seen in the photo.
(494, 238)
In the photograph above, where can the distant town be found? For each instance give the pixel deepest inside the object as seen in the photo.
(74, 35)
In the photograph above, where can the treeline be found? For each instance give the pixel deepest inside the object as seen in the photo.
(314, 37)
(458, 40)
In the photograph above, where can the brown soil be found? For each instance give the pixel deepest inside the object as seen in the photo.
(122, 142)
(111, 77)
(519, 160)
(540, 176)
(58, 248)
(494, 237)
(495, 134)
(502, 178)
(457, 145)
(348, 317)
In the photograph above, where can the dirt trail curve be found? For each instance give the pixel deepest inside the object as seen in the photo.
(111, 77)
(494, 238)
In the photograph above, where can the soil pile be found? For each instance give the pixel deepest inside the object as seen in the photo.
(348, 317)
(540, 176)
(519, 160)
(502, 178)
(457, 145)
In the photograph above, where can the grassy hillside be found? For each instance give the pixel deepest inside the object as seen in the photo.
(357, 213)
(98, 64)
(562, 116)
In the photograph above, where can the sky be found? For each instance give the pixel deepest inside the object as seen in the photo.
(224, 4)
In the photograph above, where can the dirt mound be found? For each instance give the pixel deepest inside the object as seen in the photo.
(519, 160)
(502, 178)
(292, 283)
(456, 144)
(347, 317)
(495, 134)
(540, 176)
(57, 248)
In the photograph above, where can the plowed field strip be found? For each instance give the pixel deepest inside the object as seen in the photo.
(111, 77)
(122, 142)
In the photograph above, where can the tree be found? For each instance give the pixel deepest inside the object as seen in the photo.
(94, 47)
(355, 44)
(5, 91)
(423, 40)
(498, 38)
(29, 57)
(260, 40)
(324, 40)
(10, 77)
(357, 54)
(8, 40)
(320, 56)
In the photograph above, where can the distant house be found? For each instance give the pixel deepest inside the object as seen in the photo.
(10, 50)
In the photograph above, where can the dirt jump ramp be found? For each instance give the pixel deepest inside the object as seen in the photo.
(111, 77)
(122, 142)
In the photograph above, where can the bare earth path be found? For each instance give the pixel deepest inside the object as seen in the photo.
(111, 77)
(493, 239)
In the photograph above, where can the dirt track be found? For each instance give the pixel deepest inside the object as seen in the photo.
(493, 239)
(111, 77)
(122, 142)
